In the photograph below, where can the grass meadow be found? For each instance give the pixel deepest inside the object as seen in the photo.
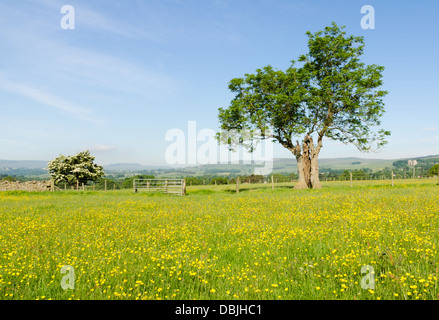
(216, 244)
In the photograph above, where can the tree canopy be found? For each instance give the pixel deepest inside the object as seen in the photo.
(434, 170)
(327, 93)
(78, 168)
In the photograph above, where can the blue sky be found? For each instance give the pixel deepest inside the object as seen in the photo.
(132, 70)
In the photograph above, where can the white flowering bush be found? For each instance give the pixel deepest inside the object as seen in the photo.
(72, 169)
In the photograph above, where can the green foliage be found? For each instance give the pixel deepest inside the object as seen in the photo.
(400, 164)
(128, 182)
(8, 178)
(111, 184)
(421, 169)
(356, 175)
(359, 175)
(434, 170)
(346, 175)
(15, 172)
(195, 181)
(281, 177)
(333, 94)
(219, 180)
(72, 169)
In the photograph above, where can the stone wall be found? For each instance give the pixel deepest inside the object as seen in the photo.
(25, 186)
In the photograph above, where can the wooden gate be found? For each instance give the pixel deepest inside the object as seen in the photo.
(172, 186)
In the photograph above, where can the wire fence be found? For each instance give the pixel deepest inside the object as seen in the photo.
(177, 185)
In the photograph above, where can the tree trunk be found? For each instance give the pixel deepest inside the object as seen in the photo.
(303, 170)
(307, 164)
(314, 179)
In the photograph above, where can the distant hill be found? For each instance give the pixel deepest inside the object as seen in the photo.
(25, 168)
(9, 165)
(22, 164)
(339, 163)
(131, 167)
(289, 165)
(280, 165)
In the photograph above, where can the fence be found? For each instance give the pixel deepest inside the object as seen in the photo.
(173, 186)
(105, 186)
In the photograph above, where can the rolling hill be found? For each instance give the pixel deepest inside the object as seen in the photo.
(280, 165)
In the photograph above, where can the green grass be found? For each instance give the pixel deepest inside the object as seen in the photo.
(216, 244)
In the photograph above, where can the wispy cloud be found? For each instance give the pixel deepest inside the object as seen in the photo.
(111, 72)
(42, 51)
(86, 17)
(48, 100)
(430, 129)
(15, 143)
(101, 148)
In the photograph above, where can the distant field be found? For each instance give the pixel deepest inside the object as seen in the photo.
(289, 165)
(282, 166)
(216, 244)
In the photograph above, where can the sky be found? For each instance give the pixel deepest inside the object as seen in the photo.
(131, 71)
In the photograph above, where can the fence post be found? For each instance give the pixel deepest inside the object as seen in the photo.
(183, 187)
(83, 187)
(105, 182)
(166, 186)
(392, 178)
(351, 179)
(134, 186)
(52, 185)
(77, 185)
(237, 185)
(272, 182)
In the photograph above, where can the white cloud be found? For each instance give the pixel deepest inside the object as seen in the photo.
(101, 148)
(430, 129)
(48, 100)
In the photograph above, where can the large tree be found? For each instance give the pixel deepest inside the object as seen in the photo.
(75, 169)
(332, 94)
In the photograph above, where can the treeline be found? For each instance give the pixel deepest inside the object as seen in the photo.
(22, 172)
(215, 180)
(398, 173)
(114, 183)
(423, 167)
(6, 177)
(119, 181)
